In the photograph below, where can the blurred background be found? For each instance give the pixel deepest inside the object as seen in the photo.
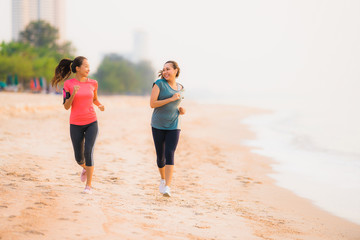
(299, 59)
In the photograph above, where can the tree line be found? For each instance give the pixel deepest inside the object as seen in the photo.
(34, 55)
(118, 75)
(38, 52)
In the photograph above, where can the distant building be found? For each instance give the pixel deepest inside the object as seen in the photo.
(25, 11)
(139, 51)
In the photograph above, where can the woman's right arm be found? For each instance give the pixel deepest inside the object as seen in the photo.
(155, 103)
(69, 101)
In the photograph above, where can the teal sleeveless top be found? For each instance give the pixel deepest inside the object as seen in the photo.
(166, 117)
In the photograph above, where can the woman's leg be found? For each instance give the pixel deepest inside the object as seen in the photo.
(159, 141)
(169, 169)
(89, 174)
(77, 139)
(162, 172)
(171, 141)
(90, 138)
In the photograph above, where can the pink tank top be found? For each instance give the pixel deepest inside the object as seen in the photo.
(82, 108)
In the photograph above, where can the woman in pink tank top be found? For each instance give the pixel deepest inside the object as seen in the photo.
(80, 94)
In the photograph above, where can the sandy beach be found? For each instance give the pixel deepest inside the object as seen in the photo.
(221, 190)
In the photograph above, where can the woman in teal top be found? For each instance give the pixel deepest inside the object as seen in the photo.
(165, 98)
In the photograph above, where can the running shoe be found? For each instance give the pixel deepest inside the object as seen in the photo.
(167, 191)
(162, 186)
(83, 175)
(87, 190)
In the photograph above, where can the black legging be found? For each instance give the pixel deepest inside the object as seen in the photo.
(165, 145)
(84, 137)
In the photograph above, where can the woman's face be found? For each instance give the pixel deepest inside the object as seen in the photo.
(169, 73)
(84, 69)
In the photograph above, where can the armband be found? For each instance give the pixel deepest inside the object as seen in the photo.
(66, 95)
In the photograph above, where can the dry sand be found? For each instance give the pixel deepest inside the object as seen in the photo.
(220, 188)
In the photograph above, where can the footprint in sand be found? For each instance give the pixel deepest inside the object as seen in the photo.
(31, 179)
(115, 179)
(11, 174)
(41, 203)
(202, 226)
(159, 209)
(51, 194)
(187, 206)
(11, 185)
(34, 232)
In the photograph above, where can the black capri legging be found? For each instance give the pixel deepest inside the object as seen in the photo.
(83, 139)
(165, 145)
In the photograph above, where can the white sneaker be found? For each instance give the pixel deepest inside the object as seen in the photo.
(167, 191)
(162, 186)
(87, 190)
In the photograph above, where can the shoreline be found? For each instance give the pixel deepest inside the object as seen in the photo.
(221, 189)
(307, 170)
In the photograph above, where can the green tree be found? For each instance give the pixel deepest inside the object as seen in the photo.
(5, 67)
(118, 75)
(35, 55)
(16, 58)
(16, 64)
(45, 67)
(147, 74)
(40, 34)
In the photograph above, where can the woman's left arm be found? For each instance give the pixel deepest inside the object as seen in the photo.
(97, 103)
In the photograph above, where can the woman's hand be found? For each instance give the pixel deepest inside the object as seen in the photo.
(182, 110)
(155, 103)
(68, 102)
(76, 88)
(101, 107)
(175, 97)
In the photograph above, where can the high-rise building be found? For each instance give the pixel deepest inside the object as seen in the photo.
(25, 11)
(140, 46)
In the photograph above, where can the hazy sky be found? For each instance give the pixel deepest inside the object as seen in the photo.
(232, 47)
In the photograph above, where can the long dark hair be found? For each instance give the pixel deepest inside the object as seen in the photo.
(64, 69)
(175, 66)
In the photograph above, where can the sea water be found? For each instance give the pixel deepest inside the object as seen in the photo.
(315, 144)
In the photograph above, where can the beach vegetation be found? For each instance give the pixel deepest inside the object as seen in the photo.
(117, 75)
(35, 55)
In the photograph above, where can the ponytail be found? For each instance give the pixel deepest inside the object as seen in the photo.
(64, 69)
(160, 74)
(175, 65)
